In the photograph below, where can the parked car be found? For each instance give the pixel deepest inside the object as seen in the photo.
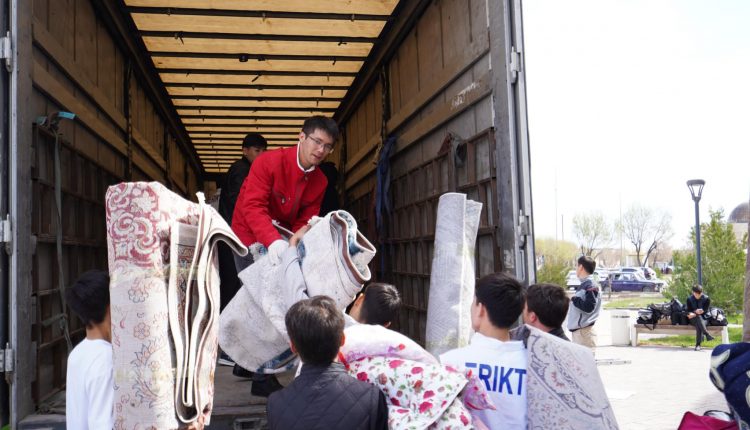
(647, 272)
(633, 281)
(572, 280)
(600, 275)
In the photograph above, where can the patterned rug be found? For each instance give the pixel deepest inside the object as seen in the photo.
(164, 294)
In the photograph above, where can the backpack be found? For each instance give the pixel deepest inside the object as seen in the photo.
(716, 317)
(678, 315)
(653, 313)
(646, 316)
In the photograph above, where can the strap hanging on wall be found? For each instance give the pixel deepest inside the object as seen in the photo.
(52, 123)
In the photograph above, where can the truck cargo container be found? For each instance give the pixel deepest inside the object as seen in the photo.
(164, 90)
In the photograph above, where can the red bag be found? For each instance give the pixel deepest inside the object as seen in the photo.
(690, 421)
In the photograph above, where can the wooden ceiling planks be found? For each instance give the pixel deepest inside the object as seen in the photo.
(178, 44)
(258, 25)
(238, 66)
(365, 7)
(194, 102)
(256, 92)
(323, 65)
(239, 136)
(244, 121)
(249, 113)
(255, 79)
(241, 129)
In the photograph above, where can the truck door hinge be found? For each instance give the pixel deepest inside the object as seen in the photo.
(6, 51)
(6, 233)
(524, 231)
(515, 64)
(7, 359)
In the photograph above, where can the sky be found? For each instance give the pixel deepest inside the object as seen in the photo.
(629, 99)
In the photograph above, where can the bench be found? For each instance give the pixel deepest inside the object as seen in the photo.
(675, 329)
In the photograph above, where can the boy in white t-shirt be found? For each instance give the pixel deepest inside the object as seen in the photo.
(89, 392)
(500, 363)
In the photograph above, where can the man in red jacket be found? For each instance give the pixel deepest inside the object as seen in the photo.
(285, 186)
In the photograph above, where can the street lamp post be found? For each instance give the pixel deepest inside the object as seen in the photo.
(696, 189)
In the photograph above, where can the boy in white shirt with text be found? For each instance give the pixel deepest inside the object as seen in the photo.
(498, 361)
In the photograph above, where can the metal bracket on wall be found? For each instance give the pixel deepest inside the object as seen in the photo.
(6, 51)
(7, 359)
(523, 228)
(6, 234)
(515, 64)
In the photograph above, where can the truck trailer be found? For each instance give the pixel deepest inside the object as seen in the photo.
(429, 95)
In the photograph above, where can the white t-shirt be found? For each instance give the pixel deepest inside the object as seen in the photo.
(89, 393)
(502, 368)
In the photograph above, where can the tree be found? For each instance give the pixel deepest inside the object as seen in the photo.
(593, 232)
(646, 229)
(556, 259)
(723, 262)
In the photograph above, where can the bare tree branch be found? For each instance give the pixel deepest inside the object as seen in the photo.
(592, 231)
(645, 228)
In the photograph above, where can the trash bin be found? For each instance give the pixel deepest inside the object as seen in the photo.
(620, 327)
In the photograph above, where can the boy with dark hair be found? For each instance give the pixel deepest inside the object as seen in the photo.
(324, 396)
(697, 306)
(585, 305)
(497, 360)
(377, 304)
(89, 392)
(546, 308)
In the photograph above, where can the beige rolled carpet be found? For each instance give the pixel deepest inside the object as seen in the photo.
(452, 274)
(164, 295)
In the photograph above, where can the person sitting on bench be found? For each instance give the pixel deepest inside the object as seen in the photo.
(697, 308)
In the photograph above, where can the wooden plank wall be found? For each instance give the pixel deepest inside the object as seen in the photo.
(78, 67)
(437, 83)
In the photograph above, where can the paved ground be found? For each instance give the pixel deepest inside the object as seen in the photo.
(652, 390)
(658, 385)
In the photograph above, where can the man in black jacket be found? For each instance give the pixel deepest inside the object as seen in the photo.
(323, 396)
(697, 307)
(252, 146)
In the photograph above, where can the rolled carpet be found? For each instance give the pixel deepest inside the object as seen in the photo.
(164, 297)
(334, 257)
(452, 275)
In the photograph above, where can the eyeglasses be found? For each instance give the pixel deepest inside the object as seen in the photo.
(318, 143)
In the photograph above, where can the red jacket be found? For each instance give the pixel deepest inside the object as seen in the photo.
(276, 189)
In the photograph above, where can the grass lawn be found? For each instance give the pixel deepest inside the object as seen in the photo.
(735, 319)
(633, 302)
(688, 340)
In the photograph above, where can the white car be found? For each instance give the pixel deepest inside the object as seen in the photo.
(573, 281)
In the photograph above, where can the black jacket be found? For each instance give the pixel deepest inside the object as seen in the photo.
(230, 189)
(694, 304)
(327, 398)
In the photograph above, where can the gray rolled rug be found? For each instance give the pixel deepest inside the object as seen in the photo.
(334, 257)
(453, 275)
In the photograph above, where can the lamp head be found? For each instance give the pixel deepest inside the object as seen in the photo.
(696, 188)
